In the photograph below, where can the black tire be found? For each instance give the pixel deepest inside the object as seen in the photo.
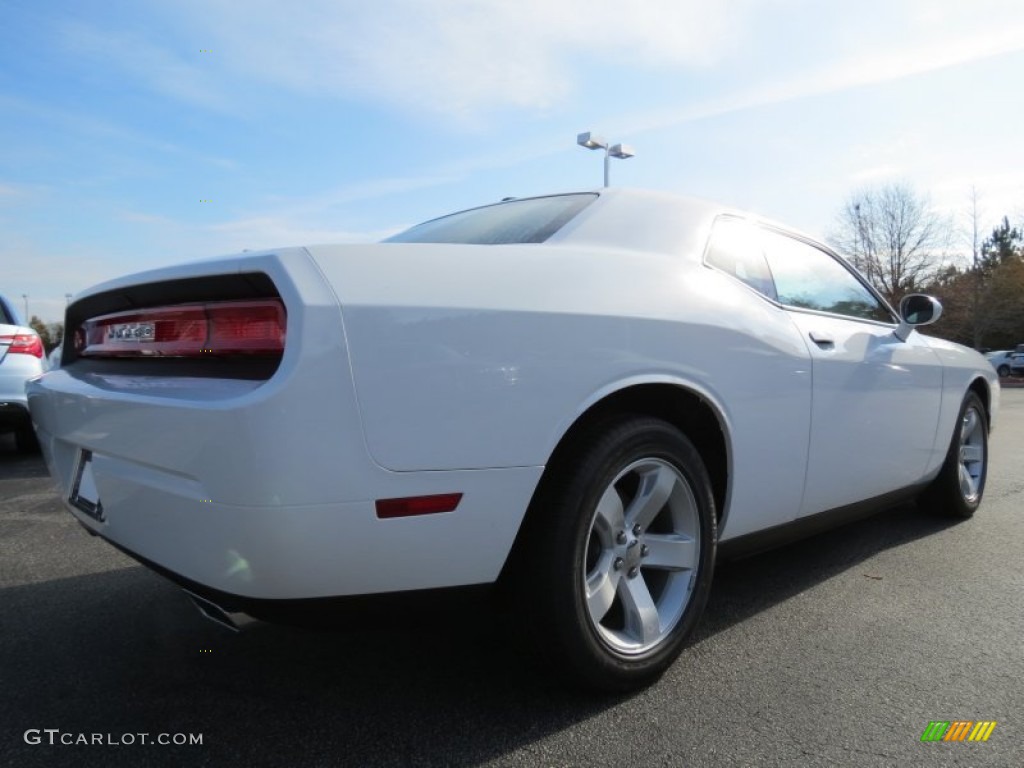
(960, 485)
(569, 546)
(25, 440)
(1003, 371)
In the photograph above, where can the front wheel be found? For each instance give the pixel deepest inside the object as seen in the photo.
(958, 489)
(1003, 371)
(620, 554)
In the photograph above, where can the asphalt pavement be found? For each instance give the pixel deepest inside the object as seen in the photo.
(835, 651)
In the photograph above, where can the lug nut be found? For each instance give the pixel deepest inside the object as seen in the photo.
(617, 565)
(637, 530)
(633, 572)
(644, 550)
(621, 538)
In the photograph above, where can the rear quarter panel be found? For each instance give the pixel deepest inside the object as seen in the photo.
(470, 357)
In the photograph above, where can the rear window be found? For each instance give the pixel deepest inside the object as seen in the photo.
(532, 220)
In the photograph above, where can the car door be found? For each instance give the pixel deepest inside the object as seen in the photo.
(875, 399)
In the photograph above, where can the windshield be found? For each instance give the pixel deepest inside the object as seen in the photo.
(532, 220)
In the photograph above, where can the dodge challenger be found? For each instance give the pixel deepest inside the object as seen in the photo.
(582, 398)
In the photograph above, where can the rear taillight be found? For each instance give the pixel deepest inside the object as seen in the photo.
(24, 344)
(187, 330)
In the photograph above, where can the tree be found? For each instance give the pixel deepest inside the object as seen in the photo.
(892, 235)
(983, 306)
(50, 334)
(1004, 244)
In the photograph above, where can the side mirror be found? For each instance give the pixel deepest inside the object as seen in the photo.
(917, 309)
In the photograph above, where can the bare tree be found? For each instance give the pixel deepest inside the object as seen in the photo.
(977, 325)
(892, 235)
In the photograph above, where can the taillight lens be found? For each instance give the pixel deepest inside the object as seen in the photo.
(187, 330)
(24, 344)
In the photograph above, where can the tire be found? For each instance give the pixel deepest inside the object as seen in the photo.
(25, 440)
(1003, 371)
(960, 485)
(610, 587)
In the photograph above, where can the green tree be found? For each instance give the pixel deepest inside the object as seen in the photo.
(1004, 244)
(44, 331)
(983, 307)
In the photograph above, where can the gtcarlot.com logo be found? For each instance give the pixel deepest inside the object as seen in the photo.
(55, 736)
(958, 730)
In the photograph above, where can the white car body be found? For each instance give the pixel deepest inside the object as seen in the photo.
(418, 369)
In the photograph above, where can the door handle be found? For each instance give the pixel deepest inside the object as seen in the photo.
(822, 339)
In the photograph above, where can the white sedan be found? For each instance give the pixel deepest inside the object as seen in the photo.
(581, 397)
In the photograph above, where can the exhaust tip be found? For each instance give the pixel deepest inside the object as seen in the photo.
(233, 620)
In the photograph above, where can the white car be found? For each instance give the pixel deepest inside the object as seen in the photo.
(582, 397)
(1006, 362)
(21, 358)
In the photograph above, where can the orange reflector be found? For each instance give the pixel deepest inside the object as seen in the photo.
(417, 505)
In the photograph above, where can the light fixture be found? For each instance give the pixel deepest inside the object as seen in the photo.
(591, 140)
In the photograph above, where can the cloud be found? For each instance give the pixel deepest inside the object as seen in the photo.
(78, 123)
(465, 58)
(138, 57)
(259, 232)
(11, 193)
(862, 67)
(303, 221)
(457, 57)
(876, 174)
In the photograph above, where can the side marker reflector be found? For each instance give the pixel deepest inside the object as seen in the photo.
(417, 505)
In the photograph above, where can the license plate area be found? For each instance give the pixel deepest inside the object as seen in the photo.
(84, 494)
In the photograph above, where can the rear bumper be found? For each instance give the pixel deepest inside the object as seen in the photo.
(15, 370)
(265, 489)
(284, 551)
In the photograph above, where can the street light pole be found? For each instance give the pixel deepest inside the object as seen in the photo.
(25, 297)
(590, 140)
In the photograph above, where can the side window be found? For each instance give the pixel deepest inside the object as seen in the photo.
(734, 249)
(809, 278)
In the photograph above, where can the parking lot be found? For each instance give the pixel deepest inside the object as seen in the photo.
(838, 650)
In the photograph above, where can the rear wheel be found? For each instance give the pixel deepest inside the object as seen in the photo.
(1003, 371)
(958, 489)
(620, 554)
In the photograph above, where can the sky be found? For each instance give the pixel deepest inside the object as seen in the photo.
(143, 133)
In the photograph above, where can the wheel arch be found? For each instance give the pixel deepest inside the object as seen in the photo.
(980, 387)
(694, 413)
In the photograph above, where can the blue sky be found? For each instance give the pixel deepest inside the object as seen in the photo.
(137, 134)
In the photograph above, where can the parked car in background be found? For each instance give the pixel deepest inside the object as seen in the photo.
(1007, 362)
(580, 397)
(1000, 361)
(21, 358)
